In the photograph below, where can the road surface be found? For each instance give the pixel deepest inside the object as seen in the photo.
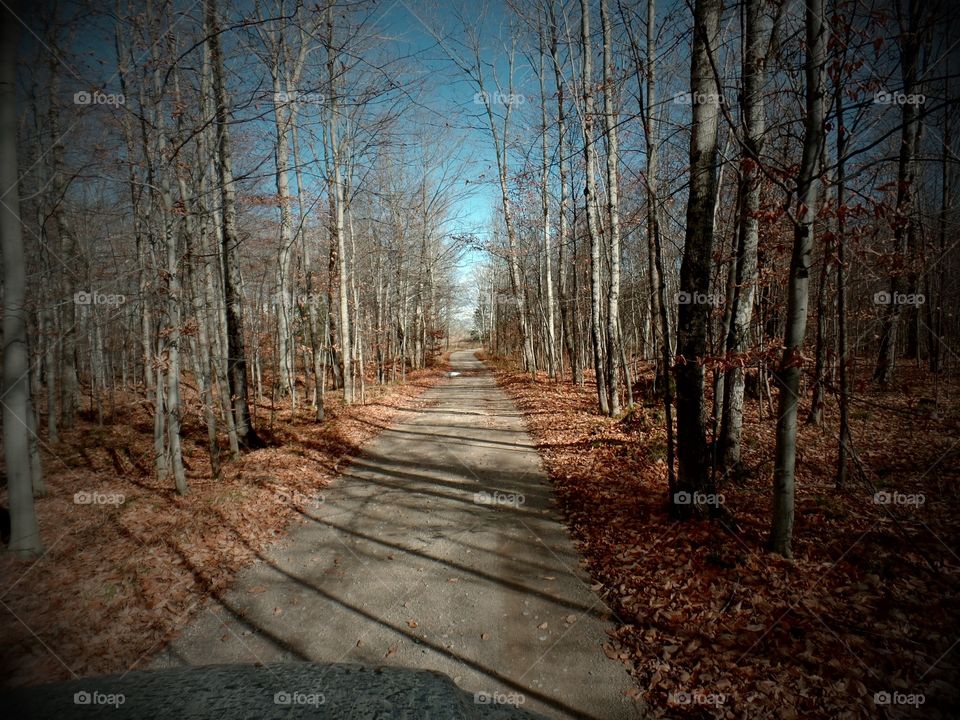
(438, 548)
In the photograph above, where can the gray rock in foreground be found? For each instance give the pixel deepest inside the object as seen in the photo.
(264, 692)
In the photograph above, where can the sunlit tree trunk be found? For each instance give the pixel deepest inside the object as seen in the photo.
(744, 267)
(343, 282)
(568, 327)
(658, 306)
(611, 118)
(593, 222)
(551, 340)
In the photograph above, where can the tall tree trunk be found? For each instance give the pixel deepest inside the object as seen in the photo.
(694, 313)
(172, 336)
(233, 299)
(333, 264)
(842, 359)
(136, 193)
(781, 532)
(744, 266)
(935, 330)
(517, 284)
(903, 222)
(68, 254)
(551, 340)
(285, 73)
(658, 284)
(646, 81)
(653, 206)
(24, 531)
(201, 351)
(610, 117)
(593, 223)
(284, 300)
(821, 360)
(317, 347)
(820, 365)
(343, 284)
(568, 328)
(213, 266)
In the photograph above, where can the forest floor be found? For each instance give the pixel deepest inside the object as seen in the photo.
(863, 622)
(128, 562)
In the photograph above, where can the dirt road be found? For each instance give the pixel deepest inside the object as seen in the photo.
(438, 548)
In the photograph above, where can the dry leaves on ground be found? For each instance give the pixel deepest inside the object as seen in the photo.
(120, 577)
(708, 623)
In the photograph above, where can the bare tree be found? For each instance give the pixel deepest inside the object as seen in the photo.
(571, 339)
(694, 308)
(904, 223)
(791, 363)
(551, 339)
(233, 300)
(285, 53)
(24, 531)
(338, 199)
(744, 267)
(610, 117)
(590, 199)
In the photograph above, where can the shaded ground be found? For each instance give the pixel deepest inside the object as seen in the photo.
(437, 548)
(119, 577)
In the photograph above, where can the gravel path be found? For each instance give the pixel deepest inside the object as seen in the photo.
(438, 548)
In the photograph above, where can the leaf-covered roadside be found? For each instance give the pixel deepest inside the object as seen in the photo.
(707, 622)
(119, 579)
